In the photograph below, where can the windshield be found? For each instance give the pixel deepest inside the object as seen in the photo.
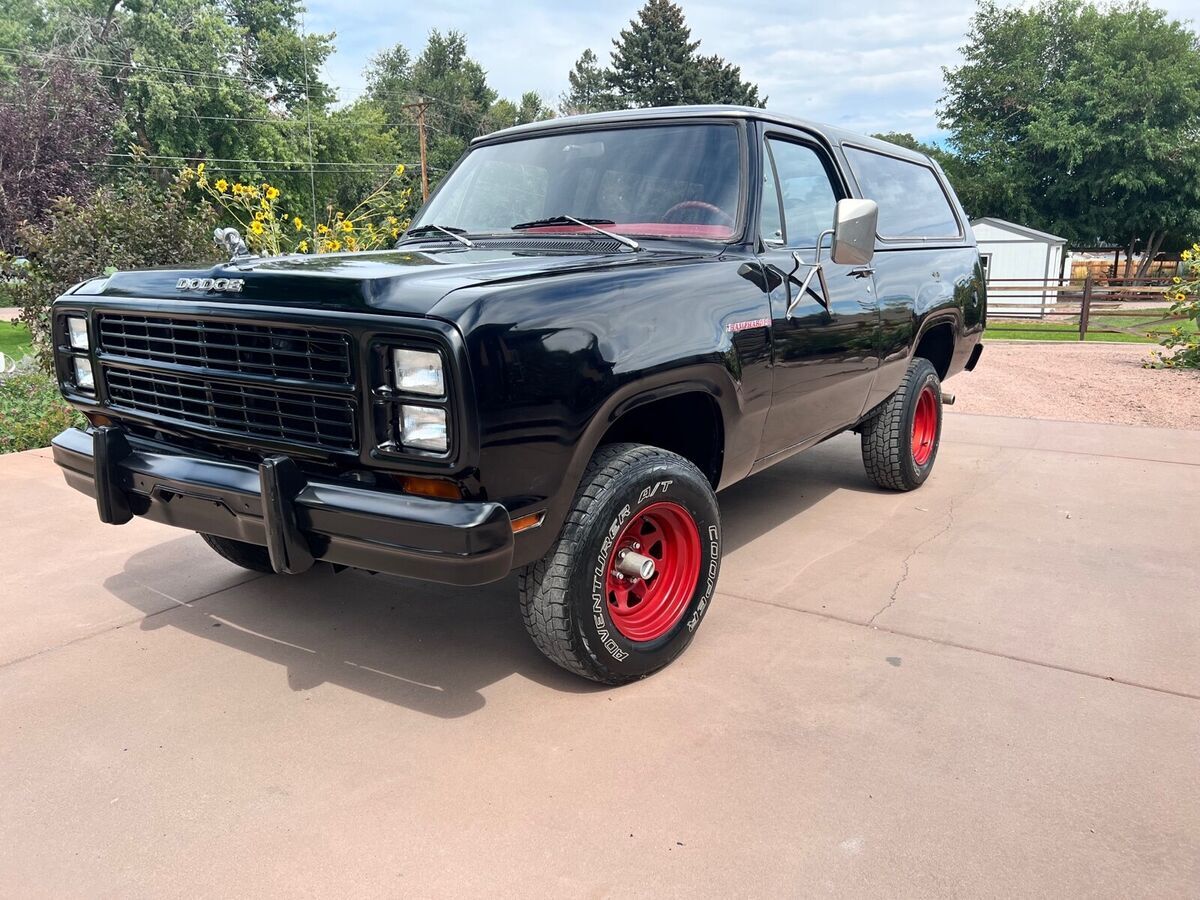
(659, 181)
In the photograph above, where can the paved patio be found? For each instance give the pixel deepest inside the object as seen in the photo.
(984, 688)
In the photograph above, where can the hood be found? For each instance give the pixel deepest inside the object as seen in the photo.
(404, 281)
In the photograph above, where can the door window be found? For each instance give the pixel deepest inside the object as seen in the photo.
(799, 205)
(911, 200)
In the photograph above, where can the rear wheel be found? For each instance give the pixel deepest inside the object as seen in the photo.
(900, 441)
(248, 556)
(622, 591)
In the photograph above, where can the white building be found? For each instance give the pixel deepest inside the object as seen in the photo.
(1015, 260)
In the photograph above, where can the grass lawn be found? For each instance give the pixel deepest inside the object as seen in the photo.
(14, 340)
(1066, 329)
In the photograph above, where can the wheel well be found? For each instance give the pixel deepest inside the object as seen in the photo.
(937, 346)
(688, 424)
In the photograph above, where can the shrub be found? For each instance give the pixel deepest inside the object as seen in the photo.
(1184, 344)
(31, 410)
(133, 224)
(257, 212)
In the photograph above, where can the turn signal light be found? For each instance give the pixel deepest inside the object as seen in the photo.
(524, 523)
(441, 488)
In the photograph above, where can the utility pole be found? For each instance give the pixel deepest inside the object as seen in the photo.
(420, 110)
(421, 107)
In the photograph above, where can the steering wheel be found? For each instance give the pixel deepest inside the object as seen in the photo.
(700, 205)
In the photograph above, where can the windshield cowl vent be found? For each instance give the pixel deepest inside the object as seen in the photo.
(541, 244)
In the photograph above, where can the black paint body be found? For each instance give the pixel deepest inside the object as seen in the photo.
(548, 349)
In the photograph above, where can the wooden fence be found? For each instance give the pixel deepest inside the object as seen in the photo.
(1143, 299)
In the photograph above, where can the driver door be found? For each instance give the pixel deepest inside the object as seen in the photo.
(824, 331)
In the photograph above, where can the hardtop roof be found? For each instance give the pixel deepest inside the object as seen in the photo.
(830, 133)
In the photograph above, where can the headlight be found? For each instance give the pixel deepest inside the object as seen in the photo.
(84, 379)
(419, 372)
(423, 428)
(77, 333)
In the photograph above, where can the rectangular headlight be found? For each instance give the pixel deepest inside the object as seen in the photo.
(77, 333)
(423, 428)
(82, 370)
(419, 372)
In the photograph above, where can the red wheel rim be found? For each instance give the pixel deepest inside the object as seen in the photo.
(924, 428)
(643, 609)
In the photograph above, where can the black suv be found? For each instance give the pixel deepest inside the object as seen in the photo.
(593, 325)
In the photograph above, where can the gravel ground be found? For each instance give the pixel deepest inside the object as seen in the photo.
(1078, 383)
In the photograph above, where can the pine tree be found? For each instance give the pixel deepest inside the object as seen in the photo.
(720, 82)
(589, 88)
(653, 61)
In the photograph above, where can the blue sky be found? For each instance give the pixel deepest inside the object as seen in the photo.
(871, 65)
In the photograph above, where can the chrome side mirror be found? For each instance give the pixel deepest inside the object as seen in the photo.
(854, 224)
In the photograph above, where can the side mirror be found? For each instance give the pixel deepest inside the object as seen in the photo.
(854, 223)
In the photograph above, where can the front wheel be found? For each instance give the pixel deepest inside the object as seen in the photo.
(248, 556)
(900, 441)
(622, 591)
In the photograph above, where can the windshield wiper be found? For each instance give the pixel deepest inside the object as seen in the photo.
(586, 223)
(455, 233)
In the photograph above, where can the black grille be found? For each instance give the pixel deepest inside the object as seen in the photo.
(272, 350)
(264, 412)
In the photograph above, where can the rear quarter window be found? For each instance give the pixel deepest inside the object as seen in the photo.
(911, 201)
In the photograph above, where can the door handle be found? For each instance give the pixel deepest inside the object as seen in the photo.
(862, 272)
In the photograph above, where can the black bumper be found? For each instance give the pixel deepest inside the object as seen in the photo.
(298, 520)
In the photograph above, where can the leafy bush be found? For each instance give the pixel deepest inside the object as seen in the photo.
(372, 224)
(130, 225)
(31, 410)
(1184, 344)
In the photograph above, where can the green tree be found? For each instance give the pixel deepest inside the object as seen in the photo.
(654, 63)
(220, 80)
(653, 60)
(905, 139)
(720, 82)
(506, 113)
(453, 85)
(1080, 120)
(588, 91)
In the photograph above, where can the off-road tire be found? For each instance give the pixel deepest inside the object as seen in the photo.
(887, 437)
(564, 598)
(248, 556)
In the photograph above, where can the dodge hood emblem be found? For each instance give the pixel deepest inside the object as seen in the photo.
(211, 285)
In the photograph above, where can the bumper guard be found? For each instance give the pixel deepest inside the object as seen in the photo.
(299, 521)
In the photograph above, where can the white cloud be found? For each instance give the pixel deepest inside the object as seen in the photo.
(875, 65)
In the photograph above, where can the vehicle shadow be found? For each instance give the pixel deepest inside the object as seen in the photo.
(427, 647)
(757, 505)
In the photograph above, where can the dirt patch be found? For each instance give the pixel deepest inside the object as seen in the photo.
(1078, 383)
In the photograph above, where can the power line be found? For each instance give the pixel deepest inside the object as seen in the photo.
(207, 160)
(279, 120)
(136, 69)
(132, 64)
(158, 167)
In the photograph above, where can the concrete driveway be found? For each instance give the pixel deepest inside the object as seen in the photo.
(988, 687)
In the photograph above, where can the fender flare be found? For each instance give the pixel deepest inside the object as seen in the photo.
(951, 316)
(711, 379)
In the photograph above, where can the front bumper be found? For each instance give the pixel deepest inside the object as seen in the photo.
(298, 520)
